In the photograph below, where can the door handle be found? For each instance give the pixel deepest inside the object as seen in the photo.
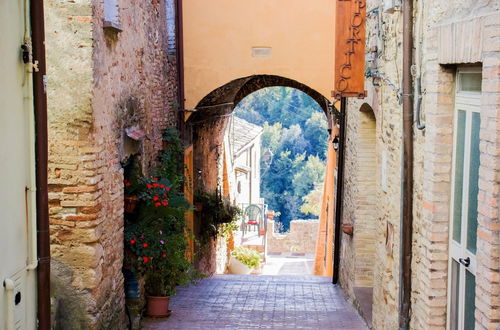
(465, 262)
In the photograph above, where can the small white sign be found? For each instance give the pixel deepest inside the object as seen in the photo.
(262, 51)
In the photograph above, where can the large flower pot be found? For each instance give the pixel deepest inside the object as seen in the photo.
(157, 306)
(130, 203)
(237, 267)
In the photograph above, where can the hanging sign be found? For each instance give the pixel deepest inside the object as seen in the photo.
(350, 21)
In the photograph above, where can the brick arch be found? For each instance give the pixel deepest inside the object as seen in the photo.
(225, 98)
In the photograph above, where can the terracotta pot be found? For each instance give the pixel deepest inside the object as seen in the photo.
(347, 229)
(130, 203)
(237, 267)
(157, 306)
(166, 144)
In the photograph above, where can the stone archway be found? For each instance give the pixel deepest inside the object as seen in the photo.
(207, 123)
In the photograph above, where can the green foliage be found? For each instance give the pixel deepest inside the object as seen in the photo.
(218, 214)
(295, 130)
(246, 256)
(312, 201)
(313, 172)
(155, 235)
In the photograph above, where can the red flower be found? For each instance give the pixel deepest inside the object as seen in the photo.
(145, 244)
(156, 179)
(127, 183)
(132, 241)
(162, 186)
(155, 198)
(164, 255)
(165, 202)
(155, 185)
(149, 186)
(145, 259)
(157, 204)
(167, 189)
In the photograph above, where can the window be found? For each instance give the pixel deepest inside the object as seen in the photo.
(171, 27)
(111, 15)
(464, 208)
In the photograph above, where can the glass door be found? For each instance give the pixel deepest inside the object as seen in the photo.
(462, 263)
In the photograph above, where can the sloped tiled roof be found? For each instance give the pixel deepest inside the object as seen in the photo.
(243, 133)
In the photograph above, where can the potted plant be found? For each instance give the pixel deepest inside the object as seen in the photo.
(130, 199)
(243, 260)
(218, 214)
(157, 240)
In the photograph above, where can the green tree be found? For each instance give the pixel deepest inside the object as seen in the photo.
(309, 175)
(315, 132)
(312, 201)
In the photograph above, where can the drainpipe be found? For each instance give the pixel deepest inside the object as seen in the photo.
(41, 159)
(340, 192)
(180, 68)
(407, 170)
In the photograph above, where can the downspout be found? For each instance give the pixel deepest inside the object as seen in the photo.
(179, 35)
(41, 158)
(407, 171)
(340, 192)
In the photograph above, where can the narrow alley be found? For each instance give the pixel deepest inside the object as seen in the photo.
(236, 164)
(260, 302)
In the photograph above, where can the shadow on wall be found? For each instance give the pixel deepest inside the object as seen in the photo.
(68, 304)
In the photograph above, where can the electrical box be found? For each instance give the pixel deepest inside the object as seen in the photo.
(391, 6)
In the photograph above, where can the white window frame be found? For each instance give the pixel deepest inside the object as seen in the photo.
(470, 102)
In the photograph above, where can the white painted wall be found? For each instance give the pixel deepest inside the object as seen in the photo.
(17, 185)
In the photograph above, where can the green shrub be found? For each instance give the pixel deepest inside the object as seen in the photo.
(248, 257)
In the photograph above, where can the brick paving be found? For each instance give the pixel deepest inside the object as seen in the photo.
(260, 302)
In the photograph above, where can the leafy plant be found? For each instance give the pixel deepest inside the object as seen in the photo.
(218, 214)
(155, 235)
(246, 256)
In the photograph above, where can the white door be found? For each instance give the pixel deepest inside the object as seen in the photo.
(17, 206)
(463, 234)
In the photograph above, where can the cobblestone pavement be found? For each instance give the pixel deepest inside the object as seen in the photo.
(260, 302)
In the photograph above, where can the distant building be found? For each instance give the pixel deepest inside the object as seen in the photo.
(242, 142)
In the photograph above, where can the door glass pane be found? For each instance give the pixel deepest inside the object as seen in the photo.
(459, 176)
(470, 301)
(473, 183)
(454, 291)
(470, 81)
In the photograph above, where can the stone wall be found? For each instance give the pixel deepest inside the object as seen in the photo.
(300, 239)
(100, 82)
(453, 33)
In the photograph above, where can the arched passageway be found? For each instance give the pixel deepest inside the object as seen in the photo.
(207, 124)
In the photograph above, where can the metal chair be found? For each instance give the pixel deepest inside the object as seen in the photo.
(252, 217)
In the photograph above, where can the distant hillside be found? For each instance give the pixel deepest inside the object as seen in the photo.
(295, 132)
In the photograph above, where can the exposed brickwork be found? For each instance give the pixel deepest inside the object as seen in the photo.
(443, 43)
(101, 82)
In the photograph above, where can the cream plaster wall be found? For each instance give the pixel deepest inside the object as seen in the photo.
(219, 36)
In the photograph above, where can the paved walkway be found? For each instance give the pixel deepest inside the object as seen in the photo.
(260, 302)
(288, 264)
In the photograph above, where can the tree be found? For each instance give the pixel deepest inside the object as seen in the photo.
(312, 201)
(315, 132)
(308, 176)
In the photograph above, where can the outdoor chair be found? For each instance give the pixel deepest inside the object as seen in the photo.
(252, 217)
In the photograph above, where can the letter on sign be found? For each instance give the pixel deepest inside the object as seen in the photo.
(349, 73)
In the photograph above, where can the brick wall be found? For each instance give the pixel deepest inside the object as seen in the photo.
(476, 41)
(100, 82)
(300, 239)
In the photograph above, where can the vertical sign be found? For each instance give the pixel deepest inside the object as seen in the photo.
(350, 16)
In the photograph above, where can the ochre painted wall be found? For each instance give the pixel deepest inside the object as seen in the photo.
(219, 36)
